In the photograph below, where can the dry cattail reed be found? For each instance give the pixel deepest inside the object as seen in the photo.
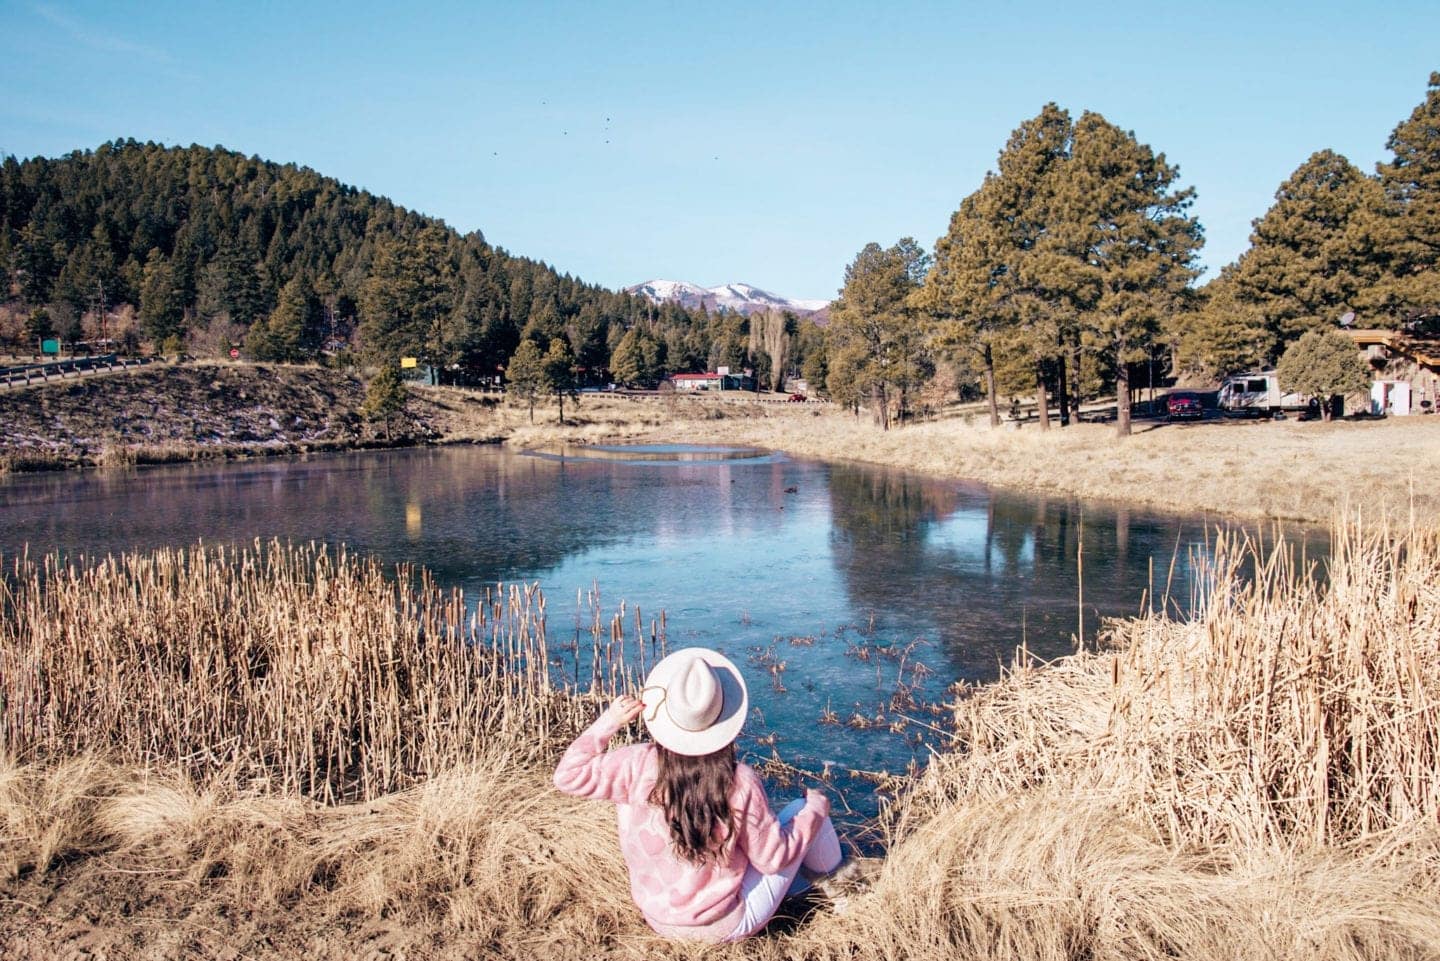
(1291, 708)
(300, 668)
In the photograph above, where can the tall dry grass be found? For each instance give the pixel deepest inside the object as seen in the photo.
(1259, 781)
(295, 669)
(1289, 710)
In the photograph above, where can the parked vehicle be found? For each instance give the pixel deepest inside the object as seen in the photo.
(1184, 405)
(1258, 394)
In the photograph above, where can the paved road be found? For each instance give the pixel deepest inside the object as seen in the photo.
(26, 375)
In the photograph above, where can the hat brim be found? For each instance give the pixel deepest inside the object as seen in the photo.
(735, 704)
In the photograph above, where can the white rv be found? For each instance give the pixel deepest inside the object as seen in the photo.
(1258, 394)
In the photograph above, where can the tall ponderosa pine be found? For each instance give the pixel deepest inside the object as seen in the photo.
(1035, 276)
(1121, 245)
(994, 283)
(1407, 231)
(1307, 263)
(408, 297)
(879, 348)
(525, 377)
(1220, 334)
(963, 293)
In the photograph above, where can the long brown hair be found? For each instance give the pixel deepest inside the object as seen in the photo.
(694, 793)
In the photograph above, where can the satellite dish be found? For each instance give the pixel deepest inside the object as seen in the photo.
(1347, 318)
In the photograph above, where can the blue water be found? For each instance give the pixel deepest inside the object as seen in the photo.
(855, 579)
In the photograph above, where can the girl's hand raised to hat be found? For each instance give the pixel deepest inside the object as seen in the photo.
(624, 709)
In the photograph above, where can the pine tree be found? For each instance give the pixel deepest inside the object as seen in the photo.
(963, 295)
(997, 284)
(813, 354)
(1121, 245)
(586, 330)
(1323, 364)
(1220, 334)
(636, 360)
(847, 373)
(230, 285)
(626, 363)
(1307, 263)
(291, 331)
(408, 298)
(1034, 278)
(162, 308)
(1407, 229)
(38, 326)
(880, 344)
(385, 396)
(558, 373)
(525, 376)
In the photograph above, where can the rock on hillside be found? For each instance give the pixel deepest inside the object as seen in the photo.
(184, 412)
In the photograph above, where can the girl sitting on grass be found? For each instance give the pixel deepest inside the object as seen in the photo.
(707, 859)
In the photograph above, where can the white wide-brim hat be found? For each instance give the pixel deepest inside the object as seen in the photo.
(695, 701)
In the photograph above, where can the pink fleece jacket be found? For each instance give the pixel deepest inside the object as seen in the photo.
(677, 898)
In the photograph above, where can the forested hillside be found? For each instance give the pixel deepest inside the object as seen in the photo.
(205, 249)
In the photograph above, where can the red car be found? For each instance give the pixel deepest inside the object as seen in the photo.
(1184, 405)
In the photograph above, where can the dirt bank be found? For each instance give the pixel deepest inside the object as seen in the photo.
(198, 411)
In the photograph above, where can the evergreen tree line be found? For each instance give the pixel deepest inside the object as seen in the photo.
(1070, 271)
(205, 249)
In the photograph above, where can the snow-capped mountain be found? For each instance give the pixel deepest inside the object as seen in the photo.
(741, 298)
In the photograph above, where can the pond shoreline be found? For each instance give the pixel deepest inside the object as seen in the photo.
(1287, 470)
(1311, 473)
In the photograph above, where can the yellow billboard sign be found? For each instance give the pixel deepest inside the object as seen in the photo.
(408, 362)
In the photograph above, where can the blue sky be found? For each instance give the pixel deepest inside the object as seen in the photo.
(715, 143)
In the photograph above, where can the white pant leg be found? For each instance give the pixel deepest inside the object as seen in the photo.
(824, 854)
(762, 893)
